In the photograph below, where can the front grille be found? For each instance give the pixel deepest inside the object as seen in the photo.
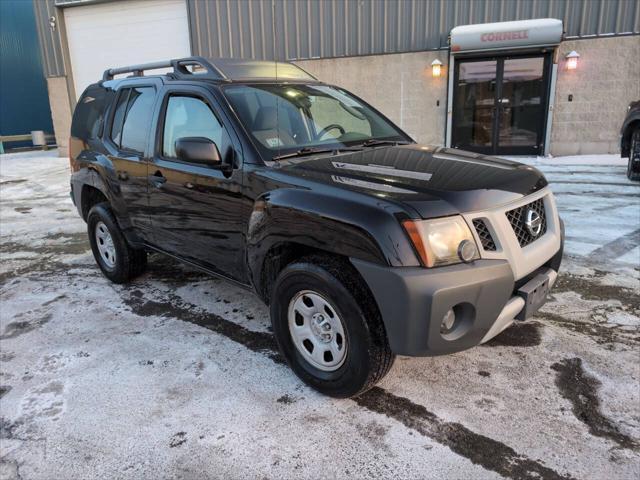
(518, 216)
(485, 236)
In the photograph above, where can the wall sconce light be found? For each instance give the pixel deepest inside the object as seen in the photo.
(436, 68)
(572, 60)
(52, 23)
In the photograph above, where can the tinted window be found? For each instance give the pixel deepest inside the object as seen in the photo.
(135, 129)
(88, 118)
(118, 116)
(190, 117)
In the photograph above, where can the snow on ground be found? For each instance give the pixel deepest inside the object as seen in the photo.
(176, 375)
(606, 159)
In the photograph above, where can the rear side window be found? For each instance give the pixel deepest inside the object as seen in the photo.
(118, 116)
(132, 118)
(88, 117)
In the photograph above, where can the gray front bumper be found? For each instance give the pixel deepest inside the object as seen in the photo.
(413, 301)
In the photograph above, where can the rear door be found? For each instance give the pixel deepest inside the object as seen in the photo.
(128, 139)
(195, 209)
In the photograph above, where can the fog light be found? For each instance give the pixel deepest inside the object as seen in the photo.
(467, 251)
(448, 321)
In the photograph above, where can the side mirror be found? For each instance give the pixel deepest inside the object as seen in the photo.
(198, 150)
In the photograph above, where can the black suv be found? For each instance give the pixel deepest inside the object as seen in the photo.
(364, 244)
(630, 140)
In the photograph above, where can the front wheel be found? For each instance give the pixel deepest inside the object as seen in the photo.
(118, 261)
(633, 167)
(328, 327)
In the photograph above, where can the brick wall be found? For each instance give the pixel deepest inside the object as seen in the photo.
(400, 86)
(606, 81)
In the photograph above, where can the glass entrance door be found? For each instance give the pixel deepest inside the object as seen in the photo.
(500, 105)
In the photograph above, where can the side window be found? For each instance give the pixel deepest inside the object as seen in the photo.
(135, 129)
(190, 117)
(88, 118)
(118, 116)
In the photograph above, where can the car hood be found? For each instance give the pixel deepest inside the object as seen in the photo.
(434, 181)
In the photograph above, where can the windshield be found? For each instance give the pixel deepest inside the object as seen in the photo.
(287, 118)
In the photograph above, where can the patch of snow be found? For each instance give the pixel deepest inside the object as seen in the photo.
(623, 318)
(605, 159)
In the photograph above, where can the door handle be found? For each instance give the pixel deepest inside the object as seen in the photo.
(123, 176)
(157, 179)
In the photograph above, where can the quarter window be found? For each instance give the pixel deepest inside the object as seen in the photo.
(118, 117)
(190, 117)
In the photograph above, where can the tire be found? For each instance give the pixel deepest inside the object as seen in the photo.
(633, 167)
(320, 282)
(118, 261)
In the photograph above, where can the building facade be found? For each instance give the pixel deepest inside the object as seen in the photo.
(531, 77)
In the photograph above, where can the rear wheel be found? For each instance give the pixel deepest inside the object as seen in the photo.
(329, 328)
(118, 261)
(633, 167)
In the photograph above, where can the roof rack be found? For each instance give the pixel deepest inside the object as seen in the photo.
(179, 65)
(225, 69)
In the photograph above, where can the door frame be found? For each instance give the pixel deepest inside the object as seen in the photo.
(549, 73)
(159, 162)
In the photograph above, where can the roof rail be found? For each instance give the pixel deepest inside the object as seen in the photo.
(179, 65)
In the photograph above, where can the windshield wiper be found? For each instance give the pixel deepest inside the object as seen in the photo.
(303, 152)
(375, 142)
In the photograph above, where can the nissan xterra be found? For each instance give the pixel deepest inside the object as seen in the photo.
(364, 244)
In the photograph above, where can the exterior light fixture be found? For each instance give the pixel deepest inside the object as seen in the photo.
(572, 60)
(436, 68)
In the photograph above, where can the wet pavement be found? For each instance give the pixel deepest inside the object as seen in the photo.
(177, 375)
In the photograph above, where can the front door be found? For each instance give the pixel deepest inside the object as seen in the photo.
(195, 209)
(500, 104)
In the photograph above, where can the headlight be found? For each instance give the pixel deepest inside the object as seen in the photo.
(443, 241)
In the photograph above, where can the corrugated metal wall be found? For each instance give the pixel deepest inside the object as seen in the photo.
(335, 28)
(24, 105)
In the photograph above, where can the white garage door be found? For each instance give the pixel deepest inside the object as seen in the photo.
(122, 33)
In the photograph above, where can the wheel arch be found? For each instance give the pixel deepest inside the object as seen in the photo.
(277, 258)
(625, 144)
(90, 196)
(291, 223)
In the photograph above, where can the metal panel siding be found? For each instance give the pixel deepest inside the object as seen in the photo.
(303, 29)
(24, 105)
(336, 28)
(50, 41)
